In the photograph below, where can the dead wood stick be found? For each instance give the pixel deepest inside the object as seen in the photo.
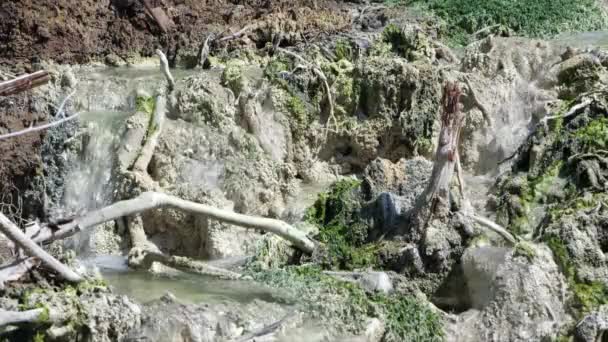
(24, 82)
(494, 227)
(140, 257)
(203, 52)
(154, 130)
(573, 111)
(154, 200)
(158, 15)
(237, 34)
(32, 249)
(164, 68)
(17, 269)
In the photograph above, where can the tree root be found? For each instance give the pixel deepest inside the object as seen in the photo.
(319, 73)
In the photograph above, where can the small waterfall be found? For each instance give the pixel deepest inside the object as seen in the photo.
(88, 185)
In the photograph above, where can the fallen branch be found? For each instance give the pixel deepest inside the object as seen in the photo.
(154, 130)
(237, 34)
(23, 83)
(159, 15)
(494, 227)
(20, 317)
(143, 258)
(252, 337)
(39, 128)
(32, 249)
(154, 200)
(573, 111)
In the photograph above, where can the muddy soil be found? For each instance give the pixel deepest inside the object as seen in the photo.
(114, 30)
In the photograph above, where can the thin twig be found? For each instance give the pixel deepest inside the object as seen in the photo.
(32, 129)
(39, 128)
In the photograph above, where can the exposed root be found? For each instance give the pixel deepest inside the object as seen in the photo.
(319, 73)
(575, 110)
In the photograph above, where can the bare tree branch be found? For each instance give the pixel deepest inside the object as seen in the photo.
(493, 227)
(573, 111)
(32, 249)
(153, 200)
(24, 82)
(164, 68)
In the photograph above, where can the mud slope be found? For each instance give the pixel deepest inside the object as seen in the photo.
(60, 30)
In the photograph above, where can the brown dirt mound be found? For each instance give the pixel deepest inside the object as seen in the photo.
(78, 32)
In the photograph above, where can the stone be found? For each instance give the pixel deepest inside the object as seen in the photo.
(376, 282)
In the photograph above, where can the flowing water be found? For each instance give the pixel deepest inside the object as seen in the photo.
(107, 98)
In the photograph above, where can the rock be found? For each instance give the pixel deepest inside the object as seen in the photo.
(580, 73)
(593, 326)
(480, 266)
(523, 298)
(170, 321)
(376, 282)
(375, 330)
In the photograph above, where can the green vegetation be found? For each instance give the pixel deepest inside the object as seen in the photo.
(346, 305)
(344, 50)
(533, 193)
(534, 18)
(594, 135)
(145, 104)
(587, 296)
(232, 77)
(411, 46)
(524, 249)
(343, 233)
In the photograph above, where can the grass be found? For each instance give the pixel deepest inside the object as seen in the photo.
(340, 230)
(532, 18)
(345, 305)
